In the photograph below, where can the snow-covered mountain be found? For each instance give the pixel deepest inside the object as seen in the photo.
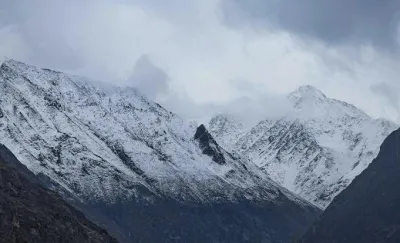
(316, 149)
(121, 158)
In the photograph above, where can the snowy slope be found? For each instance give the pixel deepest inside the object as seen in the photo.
(105, 145)
(317, 148)
(227, 128)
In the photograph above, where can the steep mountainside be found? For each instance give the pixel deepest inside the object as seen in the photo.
(31, 213)
(136, 167)
(227, 129)
(368, 210)
(316, 149)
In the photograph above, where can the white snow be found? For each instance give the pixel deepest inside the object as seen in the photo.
(316, 149)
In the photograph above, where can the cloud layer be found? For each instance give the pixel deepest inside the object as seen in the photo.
(203, 56)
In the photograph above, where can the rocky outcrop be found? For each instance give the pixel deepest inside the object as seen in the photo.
(208, 145)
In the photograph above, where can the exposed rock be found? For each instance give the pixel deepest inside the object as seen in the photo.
(208, 145)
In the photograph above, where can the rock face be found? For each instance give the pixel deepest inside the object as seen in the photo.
(315, 150)
(369, 209)
(136, 168)
(31, 213)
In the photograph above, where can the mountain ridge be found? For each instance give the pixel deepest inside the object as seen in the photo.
(316, 149)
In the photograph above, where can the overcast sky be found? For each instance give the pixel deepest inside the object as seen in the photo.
(198, 57)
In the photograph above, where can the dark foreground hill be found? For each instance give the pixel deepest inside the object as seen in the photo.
(30, 213)
(369, 209)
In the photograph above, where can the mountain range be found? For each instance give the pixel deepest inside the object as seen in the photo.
(146, 175)
(315, 150)
(137, 169)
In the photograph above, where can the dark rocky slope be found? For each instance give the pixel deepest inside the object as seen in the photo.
(30, 213)
(369, 209)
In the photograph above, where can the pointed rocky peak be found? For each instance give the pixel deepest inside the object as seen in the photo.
(208, 145)
(200, 132)
(307, 92)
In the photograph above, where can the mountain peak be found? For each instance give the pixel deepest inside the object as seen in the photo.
(307, 91)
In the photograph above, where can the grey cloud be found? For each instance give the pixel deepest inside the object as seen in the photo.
(13, 12)
(334, 22)
(245, 87)
(389, 92)
(148, 78)
(41, 25)
(53, 53)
